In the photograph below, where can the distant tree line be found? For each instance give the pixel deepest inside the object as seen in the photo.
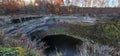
(43, 7)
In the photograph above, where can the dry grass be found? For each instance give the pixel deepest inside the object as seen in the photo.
(106, 33)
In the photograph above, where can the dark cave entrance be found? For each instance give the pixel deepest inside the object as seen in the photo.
(56, 43)
(61, 43)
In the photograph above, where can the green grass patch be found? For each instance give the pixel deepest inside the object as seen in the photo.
(9, 52)
(57, 30)
(16, 51)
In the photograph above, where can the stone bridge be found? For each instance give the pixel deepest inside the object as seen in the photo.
(36, 30)
(32, 26)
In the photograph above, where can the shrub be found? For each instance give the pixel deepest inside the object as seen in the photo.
(16, 51)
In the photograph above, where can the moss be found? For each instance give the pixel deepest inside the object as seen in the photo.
(20, 51)
(57, 30)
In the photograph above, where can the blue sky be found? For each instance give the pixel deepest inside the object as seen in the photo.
(113, 2)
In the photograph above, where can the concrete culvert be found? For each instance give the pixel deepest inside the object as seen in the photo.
(61, 43)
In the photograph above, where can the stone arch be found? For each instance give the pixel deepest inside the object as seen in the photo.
(62, 43)
(37, 35)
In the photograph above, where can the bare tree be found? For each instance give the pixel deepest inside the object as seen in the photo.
(10, 5)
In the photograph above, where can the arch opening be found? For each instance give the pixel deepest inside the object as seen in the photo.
(61, 43)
